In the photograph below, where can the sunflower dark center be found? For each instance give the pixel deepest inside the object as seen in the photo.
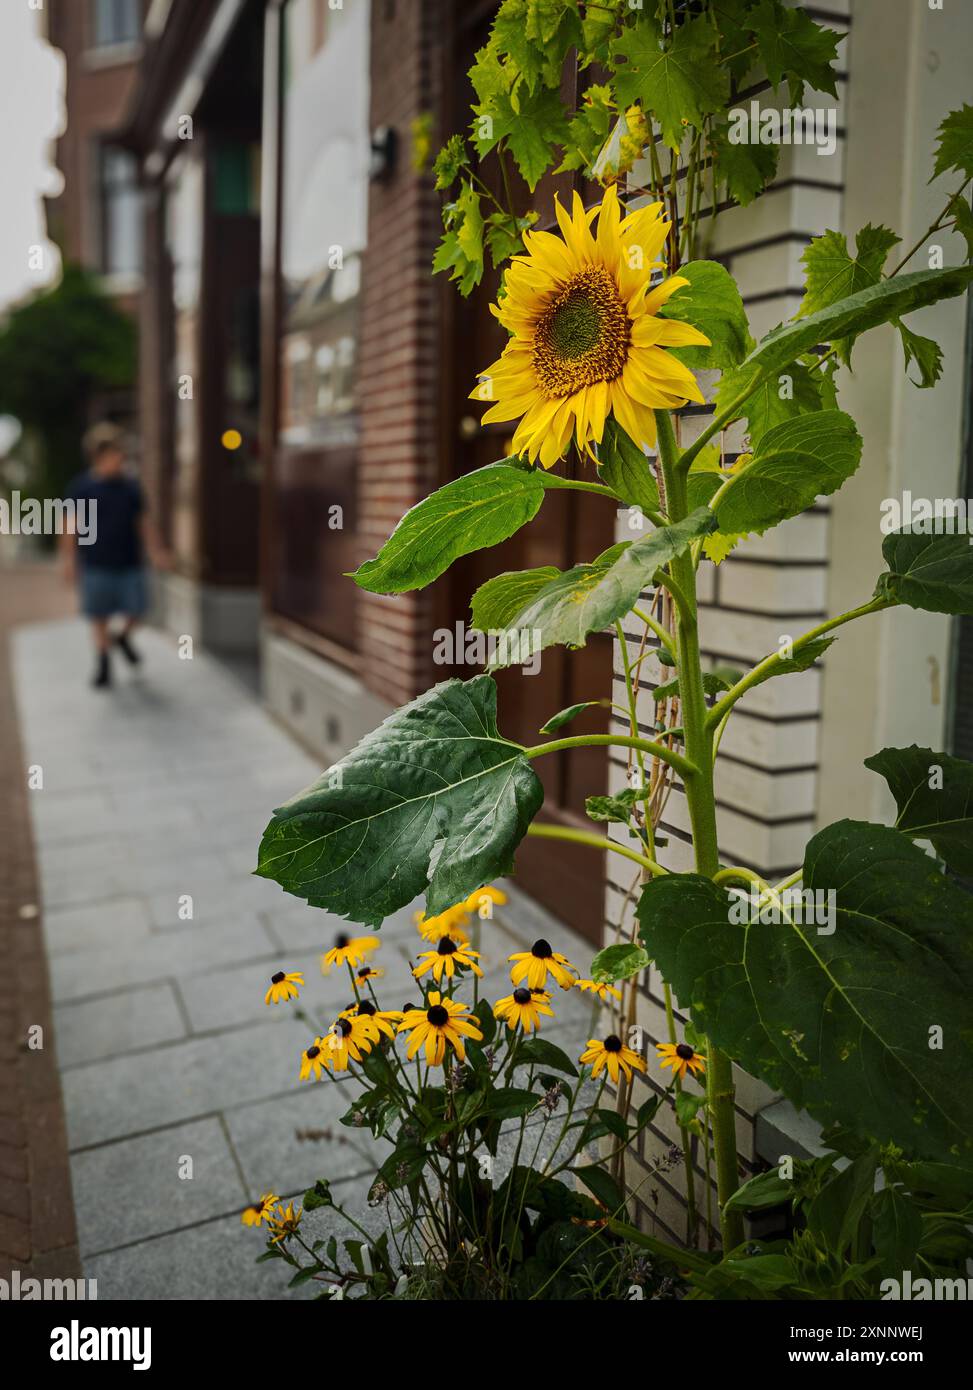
(341, 942)
(437, 1015)
(312, 1052)
(446, 947)
(613, 1043)
(522, 996)
(685, 1051)
(366, 1007)
(583, 335)
(277, 979)
(541, 949)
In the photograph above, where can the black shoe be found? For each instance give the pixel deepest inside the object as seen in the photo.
(128, 651)
(102, 672)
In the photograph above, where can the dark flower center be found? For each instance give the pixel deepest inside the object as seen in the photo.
(613, 1043)
(522, 996)
(541, 949)
(364, 972)
(583, 335)
(437, 1015)
(366, 1007)
(341, 942)
(311, 1053)
(446, 947)
(685, 1051)
(344, 1026)
(276, 979)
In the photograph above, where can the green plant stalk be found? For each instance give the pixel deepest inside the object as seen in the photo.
(701, 800)
(647, 745)
(542, 831)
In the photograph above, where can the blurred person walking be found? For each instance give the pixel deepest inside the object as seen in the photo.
(110, 567)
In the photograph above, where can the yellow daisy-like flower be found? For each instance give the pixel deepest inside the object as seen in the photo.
(283, 986)
(681, 1057)
(534, 966)
(445, 959)
(442, 1021)
(284, 1222)
(587, 340)
(313, 1059)
(368, 972)
(603, 991)
(613, 1054)
(372, 1022)
(349, 950)
(351, 1036)
(525, 1007)
(260, 1211)
(483, 899)
(449, 923)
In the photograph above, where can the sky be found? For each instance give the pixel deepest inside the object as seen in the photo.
(32, 112)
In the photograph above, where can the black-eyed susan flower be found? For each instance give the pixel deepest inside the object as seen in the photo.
(368, 972)
(681, 1057)
(349, 950)
(260, 1211)
(283, 1222)
(312, 1060)
(373, 1022)
(446, 959)
(283, 986)
(533, 967)
(586, 340)
(604, 992)
(451, 923)
(483, 899)
(442, 1021)
(524, 1007)
(613, 1054)
(350, 1036)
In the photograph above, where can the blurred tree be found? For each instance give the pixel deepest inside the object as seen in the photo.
(57, 353)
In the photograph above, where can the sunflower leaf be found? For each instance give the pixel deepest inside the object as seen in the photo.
(479, 509)
(794, 463)
(619, 962)
(710, 302)
(931, 572)
(590, 597)
(497, 602)
(626, 469)
(434, 800)
(794, 392)
(842, 1018)
(565, 716)
(934, 796)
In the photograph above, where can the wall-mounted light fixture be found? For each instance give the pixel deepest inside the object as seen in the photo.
(384, 149)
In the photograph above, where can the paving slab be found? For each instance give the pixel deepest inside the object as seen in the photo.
(93, 1030)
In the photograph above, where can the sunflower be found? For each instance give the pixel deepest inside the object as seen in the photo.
(284, 1222)
(525, 1007)
(313, 1059)
(445, 959)
(283, 986)
(372, 1022)
(442, 1021)
(482, 900)
(449, 923)
(612, 1053)
(351, 950)
(586, 340)
(602, 991)
(535, 965)
(349, 1037)
(681, 1057)
(260, 1211)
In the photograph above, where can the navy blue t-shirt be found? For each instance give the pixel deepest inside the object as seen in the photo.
(114, 521)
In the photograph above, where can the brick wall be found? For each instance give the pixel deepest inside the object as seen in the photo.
(400, 344)
(767, 770)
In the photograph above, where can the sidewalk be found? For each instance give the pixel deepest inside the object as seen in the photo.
(180, 1086)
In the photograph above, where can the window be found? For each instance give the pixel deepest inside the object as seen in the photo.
(115, 22)
(121, 212)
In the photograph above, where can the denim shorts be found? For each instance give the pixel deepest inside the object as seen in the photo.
(105, 592)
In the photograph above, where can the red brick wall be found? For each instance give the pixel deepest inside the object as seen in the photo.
(400, 343)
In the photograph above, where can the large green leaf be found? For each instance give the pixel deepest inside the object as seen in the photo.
(626, 470)
(470, 513)
(934, 796)
(590, 597)
(804, 458)
(842, 1023)
(869, 307)
(680, 82)
(792, 45)
(434, 800)
(497, 602)
(711, 302)
(928, 571)
(795, 392)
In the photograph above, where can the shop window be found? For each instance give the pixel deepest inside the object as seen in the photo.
(115, 22)
(120, 205)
